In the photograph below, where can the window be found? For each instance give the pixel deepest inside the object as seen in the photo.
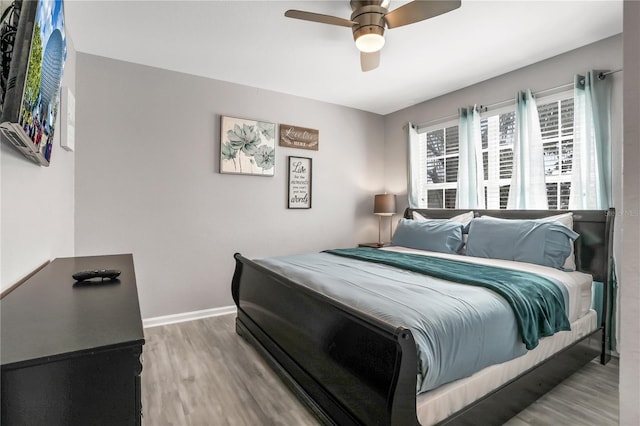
(438, 151)
(498, 135)
(439, 148)
(556, 124)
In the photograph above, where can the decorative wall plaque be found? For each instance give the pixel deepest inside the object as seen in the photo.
(299, 137)
(299, 193)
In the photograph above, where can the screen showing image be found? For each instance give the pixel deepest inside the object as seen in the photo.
(41, 95)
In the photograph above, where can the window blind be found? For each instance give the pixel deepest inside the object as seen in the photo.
(438, 149)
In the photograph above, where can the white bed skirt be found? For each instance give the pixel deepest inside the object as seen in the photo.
(440, 403)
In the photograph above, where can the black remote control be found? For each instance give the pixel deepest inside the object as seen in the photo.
(96, 273)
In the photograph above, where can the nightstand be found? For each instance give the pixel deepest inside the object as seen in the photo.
(373, 245)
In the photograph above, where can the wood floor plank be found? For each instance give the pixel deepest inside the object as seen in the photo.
(587, 398)
(201, 373)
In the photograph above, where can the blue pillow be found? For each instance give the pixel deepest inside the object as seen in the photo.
(532, 241)
(432, 235)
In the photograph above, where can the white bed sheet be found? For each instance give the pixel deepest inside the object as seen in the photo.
(578, 284)
(440, 403)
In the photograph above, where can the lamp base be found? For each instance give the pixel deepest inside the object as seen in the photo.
(380, 242)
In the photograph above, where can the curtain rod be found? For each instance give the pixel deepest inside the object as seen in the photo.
(485, 108)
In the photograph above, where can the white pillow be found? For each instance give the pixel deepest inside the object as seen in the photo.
(464, 218)
(565, 219)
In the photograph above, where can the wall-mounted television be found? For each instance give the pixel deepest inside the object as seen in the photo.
(32, 92)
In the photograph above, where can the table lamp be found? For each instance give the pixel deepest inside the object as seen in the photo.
(384, 205)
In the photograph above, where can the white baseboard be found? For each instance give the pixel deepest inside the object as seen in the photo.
(188, 316)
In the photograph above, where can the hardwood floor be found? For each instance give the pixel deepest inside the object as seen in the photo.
(589, 397)
(201, 373)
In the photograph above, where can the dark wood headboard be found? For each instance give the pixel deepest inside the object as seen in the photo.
(593, 249)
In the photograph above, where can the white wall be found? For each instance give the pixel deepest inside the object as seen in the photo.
(630, 215)
(36, 203)
(147, 180)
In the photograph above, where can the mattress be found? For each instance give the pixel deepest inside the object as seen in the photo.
(440, 403)
(578, 284)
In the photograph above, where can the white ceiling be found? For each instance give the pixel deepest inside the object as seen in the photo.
(252, 43)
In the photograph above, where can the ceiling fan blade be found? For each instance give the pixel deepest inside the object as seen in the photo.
(369, 61)
(419, 10)
(318, 17)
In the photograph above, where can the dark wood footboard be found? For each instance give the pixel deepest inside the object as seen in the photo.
(348, 367)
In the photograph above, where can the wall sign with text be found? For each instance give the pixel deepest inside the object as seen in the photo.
(299, 137)
(299, 194)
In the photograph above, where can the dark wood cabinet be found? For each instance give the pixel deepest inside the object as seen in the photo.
(71, 351)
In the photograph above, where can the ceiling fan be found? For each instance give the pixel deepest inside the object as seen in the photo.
(370, 18)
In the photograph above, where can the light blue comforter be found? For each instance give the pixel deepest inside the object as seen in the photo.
(538, 303)
(459, 329)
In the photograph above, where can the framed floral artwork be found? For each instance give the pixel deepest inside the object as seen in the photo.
(247, 147)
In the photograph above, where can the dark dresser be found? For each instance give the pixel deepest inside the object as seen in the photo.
(71, 352)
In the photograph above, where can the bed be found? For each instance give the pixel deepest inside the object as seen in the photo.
(353, 365)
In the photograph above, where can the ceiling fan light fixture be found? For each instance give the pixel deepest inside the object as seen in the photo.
(370, 18)
(370, 42)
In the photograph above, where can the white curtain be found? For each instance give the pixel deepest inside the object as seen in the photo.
(528, 189)
(591, 165)
(413, 169)
(470, 190)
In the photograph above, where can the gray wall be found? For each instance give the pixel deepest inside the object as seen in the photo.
(556, 71)
(630, 266)
(553, 72)
(36, 203)
(147, 180)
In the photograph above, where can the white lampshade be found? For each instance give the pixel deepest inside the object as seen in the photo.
(369, 43)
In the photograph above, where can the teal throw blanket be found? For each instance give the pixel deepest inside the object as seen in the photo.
(537, 302)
